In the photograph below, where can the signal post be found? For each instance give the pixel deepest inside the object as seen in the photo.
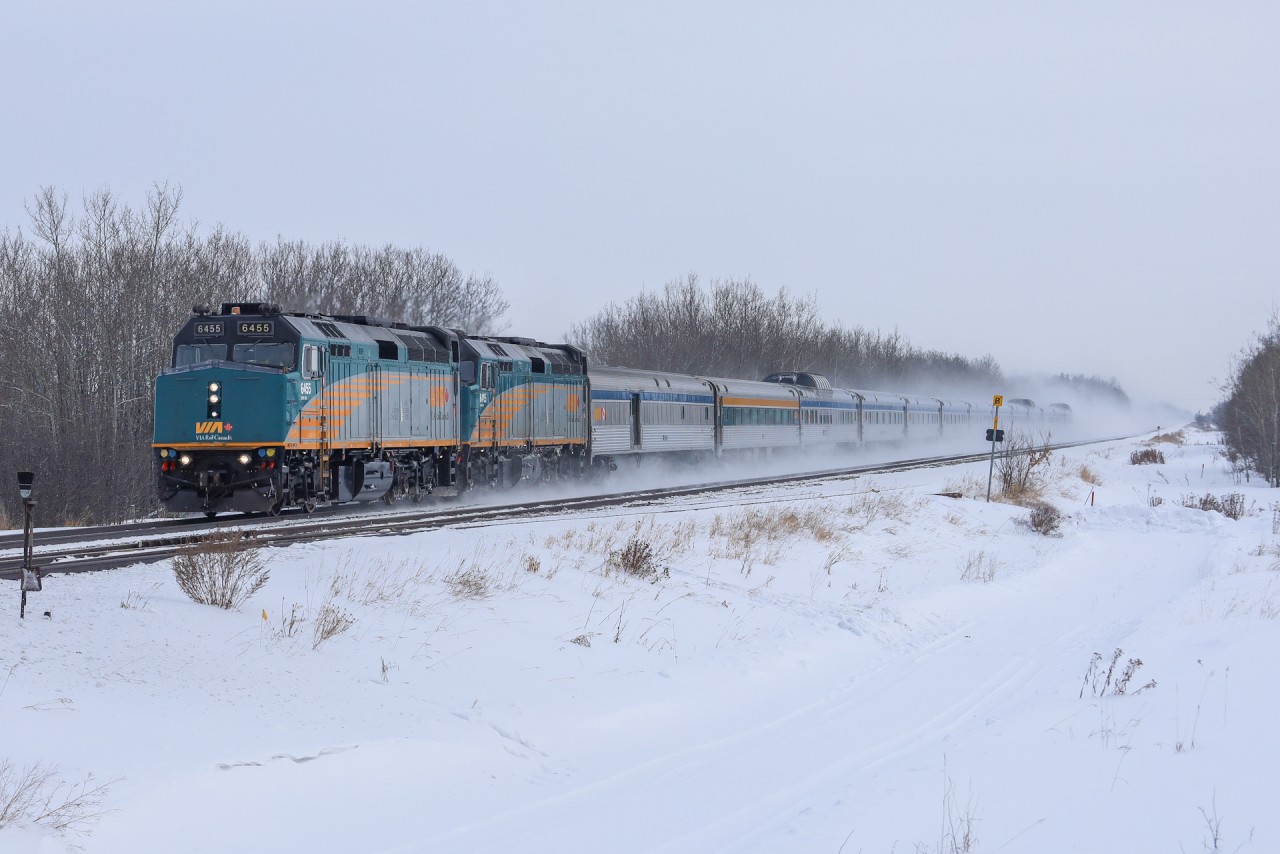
(30, 572)
(995, 434)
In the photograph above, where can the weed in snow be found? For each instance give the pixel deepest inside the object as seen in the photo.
(979, 566)
(36, 796)
(1102, 679)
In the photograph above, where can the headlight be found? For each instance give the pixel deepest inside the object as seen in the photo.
(244, 459)
(213, 398)
(213, 387)
(185, 459)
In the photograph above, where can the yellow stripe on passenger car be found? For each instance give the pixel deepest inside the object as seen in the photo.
(759, 401)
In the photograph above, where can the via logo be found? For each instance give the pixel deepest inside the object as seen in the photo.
(206, 427)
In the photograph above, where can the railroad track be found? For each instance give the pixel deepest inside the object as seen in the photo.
(113, 546)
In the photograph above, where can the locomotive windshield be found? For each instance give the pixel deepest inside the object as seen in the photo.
(272, 355)
(269, 354)
(194, 354)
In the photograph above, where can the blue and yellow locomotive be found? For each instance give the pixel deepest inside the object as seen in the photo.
(264, 409)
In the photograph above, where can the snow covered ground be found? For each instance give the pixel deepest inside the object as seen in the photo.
(857, 666)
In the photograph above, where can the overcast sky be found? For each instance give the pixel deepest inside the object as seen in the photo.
(1069, 186)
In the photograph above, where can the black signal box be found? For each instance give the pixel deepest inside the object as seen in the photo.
(995, 435)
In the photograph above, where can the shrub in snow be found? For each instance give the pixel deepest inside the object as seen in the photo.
(223, 570)
(1045, 519)
(1147, 456)
(1230, 505)
(1020, 467)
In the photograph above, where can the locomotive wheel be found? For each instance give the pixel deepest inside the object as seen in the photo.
(274, 509)
(309, 505)
(209, 514)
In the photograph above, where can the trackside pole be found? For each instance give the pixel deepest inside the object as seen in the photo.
(30, 573)
(995, 434)
(991, 470)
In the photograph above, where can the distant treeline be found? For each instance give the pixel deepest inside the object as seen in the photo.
(732, 328)
(1092, 388)
(89, 302)
(1250, 415)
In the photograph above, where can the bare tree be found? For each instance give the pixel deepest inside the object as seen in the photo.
(1250, 416)
(411, 285)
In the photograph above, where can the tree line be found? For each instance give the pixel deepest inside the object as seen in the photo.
(732, 328)
(1249, 416)
(1092, 388)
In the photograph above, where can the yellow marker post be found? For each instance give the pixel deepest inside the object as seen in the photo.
(997, 401)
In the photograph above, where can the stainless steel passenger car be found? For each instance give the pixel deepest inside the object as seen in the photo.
(884, 416)
(757, 415)
(957, 417)
(635, 413)
(829, 417)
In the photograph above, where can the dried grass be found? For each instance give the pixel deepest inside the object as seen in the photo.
(35, 795)
(1102, 679)
(979, 566)
(330, 622)
(969, 486)
(1177, 437)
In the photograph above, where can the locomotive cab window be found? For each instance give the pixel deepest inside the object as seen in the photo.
(271, 355)
(194, 354)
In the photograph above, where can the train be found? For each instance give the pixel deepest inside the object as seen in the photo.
(263, 409)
